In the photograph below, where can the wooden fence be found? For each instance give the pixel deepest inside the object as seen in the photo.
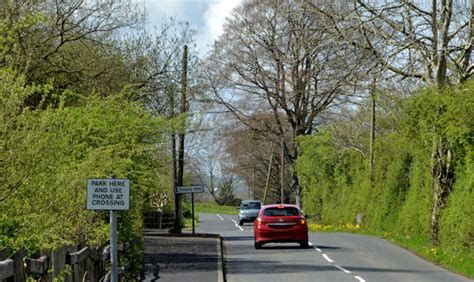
(69, 264)
(158, 220)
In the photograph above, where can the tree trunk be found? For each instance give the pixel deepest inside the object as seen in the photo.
(179, 178)
(372, 132)
(183, 110)
(296, 187)
(442, 180)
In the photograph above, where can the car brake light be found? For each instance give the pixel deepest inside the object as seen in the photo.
(259, 220)
(302, 221)
(281, 206)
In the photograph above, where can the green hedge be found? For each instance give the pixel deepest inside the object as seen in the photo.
(48, 153)
(337, 185)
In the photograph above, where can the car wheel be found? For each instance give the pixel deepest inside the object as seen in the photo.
(241, 222)
(257, 245)
(304, 244)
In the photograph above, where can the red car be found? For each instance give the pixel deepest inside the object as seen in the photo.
(280, 224)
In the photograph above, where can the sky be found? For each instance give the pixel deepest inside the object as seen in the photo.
(207, 17)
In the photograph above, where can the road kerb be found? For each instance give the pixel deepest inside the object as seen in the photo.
(220, 265)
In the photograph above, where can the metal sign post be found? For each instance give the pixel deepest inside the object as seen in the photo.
(109, 194)
(190, 189)
(113, 246)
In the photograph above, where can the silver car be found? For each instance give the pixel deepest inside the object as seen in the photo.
(249, 210)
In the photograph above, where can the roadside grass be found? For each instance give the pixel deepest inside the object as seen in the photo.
(206, 208)
(188, 223)
(455, 260)
(214, 208)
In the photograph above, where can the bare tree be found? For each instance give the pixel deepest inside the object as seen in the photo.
(226, 192)
(154, 61)
(51, 30)
(278, 58)
(249, 149)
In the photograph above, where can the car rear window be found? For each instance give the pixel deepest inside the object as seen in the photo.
(286, 211)
(251, 205)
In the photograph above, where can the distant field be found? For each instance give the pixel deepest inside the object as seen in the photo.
(214, 208)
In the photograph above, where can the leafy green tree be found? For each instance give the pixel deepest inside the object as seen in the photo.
(48, 154)
(336, 175)
(430, 43)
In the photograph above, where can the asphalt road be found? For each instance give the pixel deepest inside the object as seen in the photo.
(331, 257)
(174, 258)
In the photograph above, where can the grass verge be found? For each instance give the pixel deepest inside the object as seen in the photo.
(460, 261)
(214, 208)
(206, 208)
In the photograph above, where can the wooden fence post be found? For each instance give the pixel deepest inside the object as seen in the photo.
(85, 264)
(59, 262)
(19, 275)
(99, 258)
(38, 266)
(7, 269)
(77, 260)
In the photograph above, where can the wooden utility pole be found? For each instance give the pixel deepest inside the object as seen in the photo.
(253, 182)
(268, 179)
(177, 221)
(181, 136)
(282, 172)
(183, 111)
(249, 192)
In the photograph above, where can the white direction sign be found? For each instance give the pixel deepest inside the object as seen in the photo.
(108, 194)
(189, 189)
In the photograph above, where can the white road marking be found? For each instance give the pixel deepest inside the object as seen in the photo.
(343, 269)
(317, 249)
(220, 217)
(237, 225)
(327, 258)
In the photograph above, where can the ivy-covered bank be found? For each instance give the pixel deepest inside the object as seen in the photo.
(398, 197)
(48, 152)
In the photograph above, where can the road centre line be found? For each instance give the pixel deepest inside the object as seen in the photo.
(317, 249)
(326, 257)
(343, 269)
(220, 217)
(237, 225)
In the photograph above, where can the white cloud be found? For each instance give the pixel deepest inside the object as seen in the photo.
(207, 17)
(215, 16)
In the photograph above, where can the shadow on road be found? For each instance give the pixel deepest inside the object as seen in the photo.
(173, 261)
(240, 266)
(238, 238)
(169, 258)
(284, 247)
(328, 248)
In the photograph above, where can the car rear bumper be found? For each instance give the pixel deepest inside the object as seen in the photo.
(247, 218)
(270, 235)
